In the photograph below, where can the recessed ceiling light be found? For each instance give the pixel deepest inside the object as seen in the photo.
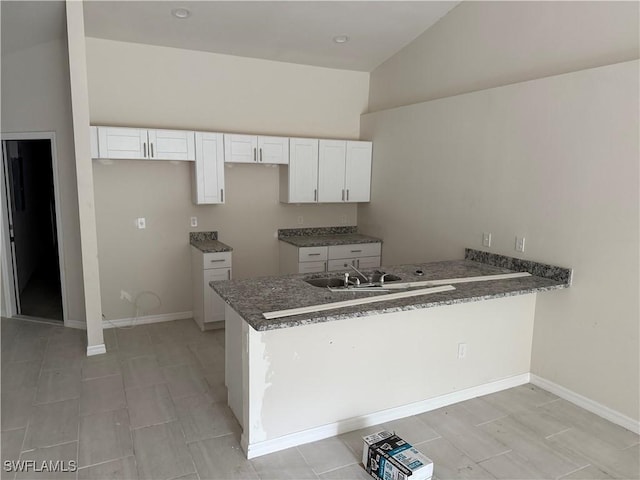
(341, 39)
(181, 13)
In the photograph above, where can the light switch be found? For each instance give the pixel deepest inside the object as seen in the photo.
(141, 223)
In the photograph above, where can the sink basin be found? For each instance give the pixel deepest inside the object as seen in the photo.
(336, 282)
(326, 282)
(375, 278)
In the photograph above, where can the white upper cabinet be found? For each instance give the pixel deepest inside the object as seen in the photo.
(331, 165)
(357, 176)
(344, 171)
(299, 182)
(240, 148)
(171, 145)
(116, 142)
(273, 150)
(255, 149)
(208, 179)
(142, 143)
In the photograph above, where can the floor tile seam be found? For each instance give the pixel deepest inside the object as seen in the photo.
(132, 429)
(576, 470)
(304, 459)
(144, 386)
(491, 421)
(39, 404)
(186, 445)
(47, 446)
(208, 437)
(637, 444)
(102, 376)
(333, 469)
(548, 437)
(84, 467)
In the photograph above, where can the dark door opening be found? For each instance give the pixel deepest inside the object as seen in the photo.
(33, 228)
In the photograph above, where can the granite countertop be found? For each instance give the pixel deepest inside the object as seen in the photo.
(250, 298)
(207, 242)
(324, 236)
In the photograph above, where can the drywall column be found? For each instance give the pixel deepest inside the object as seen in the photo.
(84, 173)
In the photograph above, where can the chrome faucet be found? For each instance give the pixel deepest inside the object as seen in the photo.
(358, 272)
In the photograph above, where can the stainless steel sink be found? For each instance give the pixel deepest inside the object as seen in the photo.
(326, 282)
(337, 282)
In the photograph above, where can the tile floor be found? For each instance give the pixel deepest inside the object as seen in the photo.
(154, 408)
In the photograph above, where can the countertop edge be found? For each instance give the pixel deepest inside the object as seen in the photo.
(260, 327)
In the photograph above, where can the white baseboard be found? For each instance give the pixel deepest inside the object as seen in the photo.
(588, 404)
(319, 433)
(164, 317)
(75, 324)
(127, 322)
(96, 350)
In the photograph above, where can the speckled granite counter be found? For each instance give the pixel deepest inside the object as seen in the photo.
(324, 236)
(250, 298)
(207, 242)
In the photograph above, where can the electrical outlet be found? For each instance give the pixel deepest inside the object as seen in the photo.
(520, 244)
(141, 223)
(194, 221)
(125, 296)
(462, 350)
(343, 219)
(300, 220)
(486, 239)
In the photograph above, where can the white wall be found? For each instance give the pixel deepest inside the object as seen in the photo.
(481, 45)
(142, 85)
(554, 160)
(373, 364)
(36, 98)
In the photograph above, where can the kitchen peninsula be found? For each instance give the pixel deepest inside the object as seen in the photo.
(300, 378)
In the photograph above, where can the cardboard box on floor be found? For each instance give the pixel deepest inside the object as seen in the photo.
(386, 456)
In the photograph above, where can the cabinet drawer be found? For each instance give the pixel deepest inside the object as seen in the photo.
(354, 251)
(216, 260)
(312, 254)
(312, 267)
(362, 263)
(341, 265)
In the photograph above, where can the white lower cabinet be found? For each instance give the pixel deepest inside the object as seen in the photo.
(208, 307)
(363, 256)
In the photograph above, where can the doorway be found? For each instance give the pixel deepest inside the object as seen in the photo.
(32, 222)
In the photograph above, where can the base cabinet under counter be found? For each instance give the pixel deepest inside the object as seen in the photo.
(208, 307)
(329, 258)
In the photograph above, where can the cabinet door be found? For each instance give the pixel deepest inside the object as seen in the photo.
(116, 142)
(240, 148)
(171, 145)
(358, 172)
(331, 165)
(341, 265)
(213, 304)
(273, 150)
(312, 267)
(303, 170)
(209, 168)
(367, 263)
